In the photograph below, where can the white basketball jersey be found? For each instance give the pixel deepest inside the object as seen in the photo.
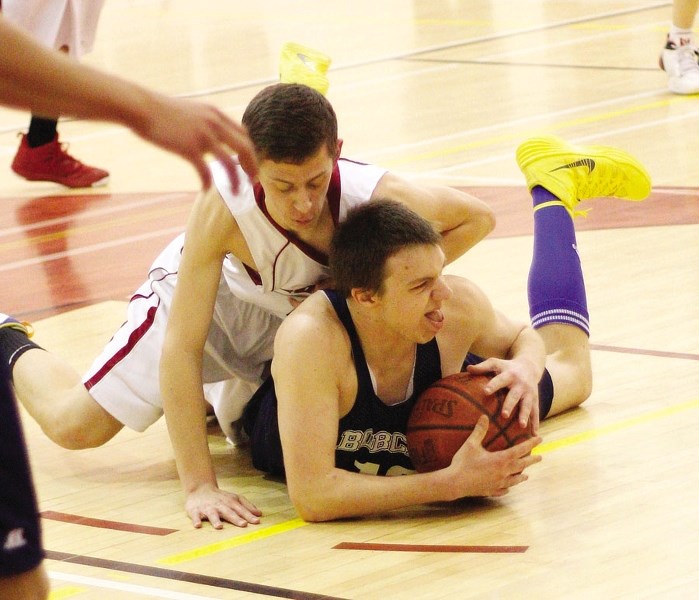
(287, 266)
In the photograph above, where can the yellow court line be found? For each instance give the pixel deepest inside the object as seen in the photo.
(66, 592)
(585, 436)
(517, 134)
(239, 540)
(543, 448)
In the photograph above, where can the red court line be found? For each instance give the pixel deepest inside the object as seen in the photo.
(103, 524)
(429, 548)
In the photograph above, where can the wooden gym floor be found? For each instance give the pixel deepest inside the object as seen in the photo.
(441, 90)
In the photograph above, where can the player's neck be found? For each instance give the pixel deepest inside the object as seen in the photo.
(383, 349)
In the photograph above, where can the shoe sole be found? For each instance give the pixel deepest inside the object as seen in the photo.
(99, 183)
(553, 147)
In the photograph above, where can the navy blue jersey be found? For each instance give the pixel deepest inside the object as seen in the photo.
(20, 532)
(371, 437)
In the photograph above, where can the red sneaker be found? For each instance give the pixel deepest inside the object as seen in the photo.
(51, 162)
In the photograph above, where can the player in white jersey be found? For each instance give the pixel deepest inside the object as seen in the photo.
(207, 316)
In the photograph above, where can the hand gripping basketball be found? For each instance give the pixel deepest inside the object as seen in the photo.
(446, 414)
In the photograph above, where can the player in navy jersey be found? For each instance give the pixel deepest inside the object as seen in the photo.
(201, 328)
(22, 574)
(348, 365)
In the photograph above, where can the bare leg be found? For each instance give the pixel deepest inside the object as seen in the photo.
(568, 363)
(683, 13)
(53, 394)
(32, 585)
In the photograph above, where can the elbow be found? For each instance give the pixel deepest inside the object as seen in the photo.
(311, 506)
(486, 221)
(312, 516)
(310, 510)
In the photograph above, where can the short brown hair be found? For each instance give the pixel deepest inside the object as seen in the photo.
(288, 122)
(368, 237)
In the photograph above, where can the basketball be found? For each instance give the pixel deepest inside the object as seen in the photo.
(445, 415)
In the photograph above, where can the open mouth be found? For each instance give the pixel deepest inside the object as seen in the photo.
(436, 318)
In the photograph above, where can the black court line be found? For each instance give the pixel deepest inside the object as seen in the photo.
(518, 32)
(196, 578)
(410, 55)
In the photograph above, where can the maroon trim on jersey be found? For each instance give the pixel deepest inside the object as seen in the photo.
(254, 275)
(334, 191)
(134, 338)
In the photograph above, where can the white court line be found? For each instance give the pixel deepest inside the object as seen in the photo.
(124, 587)
(575, 140)
(522, 50)
(20, 264)
(93, 212)
(523, 121)
(447, 46)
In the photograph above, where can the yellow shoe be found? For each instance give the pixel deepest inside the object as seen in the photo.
(574, 173)
(300, 64)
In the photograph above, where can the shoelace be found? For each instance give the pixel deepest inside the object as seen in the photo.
(61, 158)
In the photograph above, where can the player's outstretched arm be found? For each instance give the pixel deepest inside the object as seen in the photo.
(208, 233)
(46, 82)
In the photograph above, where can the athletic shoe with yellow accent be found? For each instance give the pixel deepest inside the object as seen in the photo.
(12, 323)
(300, 64)
(574, 173)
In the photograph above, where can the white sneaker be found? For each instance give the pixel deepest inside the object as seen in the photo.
(680, 63)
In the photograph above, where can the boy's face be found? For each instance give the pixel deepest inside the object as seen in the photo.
(295, 194)
(413, 292)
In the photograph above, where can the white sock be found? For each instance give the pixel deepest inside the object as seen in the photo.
(679, 36)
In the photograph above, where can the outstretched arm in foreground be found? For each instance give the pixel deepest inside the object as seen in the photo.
(46, 82)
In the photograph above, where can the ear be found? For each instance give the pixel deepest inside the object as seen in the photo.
(339, 148)
(363, 296)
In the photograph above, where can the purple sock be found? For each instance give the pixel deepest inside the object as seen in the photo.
(556, 286)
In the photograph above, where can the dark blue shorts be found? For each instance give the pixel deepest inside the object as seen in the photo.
(20, 530)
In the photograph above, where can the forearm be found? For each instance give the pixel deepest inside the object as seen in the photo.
(461, 239)
(468, 226)
(46, 82)
(185, 413)
(528, 348)
(342, 494)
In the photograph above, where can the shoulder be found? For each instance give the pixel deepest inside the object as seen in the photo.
(236, 202)
(467, 298)
(314, 321)
(358, 179)
(312, 336)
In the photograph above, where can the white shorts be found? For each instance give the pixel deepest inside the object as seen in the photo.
(57, 23)
(124, 378)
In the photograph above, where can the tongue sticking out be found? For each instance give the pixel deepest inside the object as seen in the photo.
(435, 316)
